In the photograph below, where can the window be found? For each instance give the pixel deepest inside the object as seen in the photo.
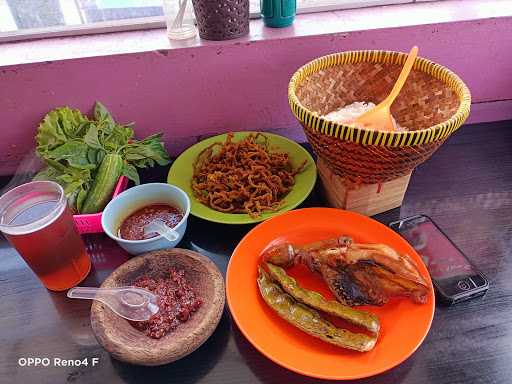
(22, 19)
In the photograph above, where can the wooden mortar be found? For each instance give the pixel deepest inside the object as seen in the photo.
(126, 343)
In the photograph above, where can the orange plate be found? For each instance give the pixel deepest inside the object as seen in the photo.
(404, 324)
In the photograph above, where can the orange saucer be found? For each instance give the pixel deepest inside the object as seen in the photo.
(404, 324)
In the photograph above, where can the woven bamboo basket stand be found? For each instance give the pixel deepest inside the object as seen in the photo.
(433, 104)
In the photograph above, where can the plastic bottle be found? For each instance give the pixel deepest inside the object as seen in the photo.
(278, 13)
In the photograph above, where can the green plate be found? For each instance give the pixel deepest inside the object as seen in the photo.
(181, 171)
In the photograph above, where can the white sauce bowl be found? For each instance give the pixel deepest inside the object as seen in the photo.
(135, 198)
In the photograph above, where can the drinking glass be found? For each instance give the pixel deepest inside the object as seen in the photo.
(36, 220)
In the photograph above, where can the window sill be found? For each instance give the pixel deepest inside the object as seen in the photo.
(314, 24)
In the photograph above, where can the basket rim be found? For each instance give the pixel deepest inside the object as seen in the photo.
(312, 121)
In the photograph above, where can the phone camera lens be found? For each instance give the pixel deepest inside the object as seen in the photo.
(464, 285)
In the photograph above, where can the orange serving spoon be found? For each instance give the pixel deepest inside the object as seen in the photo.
(379, 118)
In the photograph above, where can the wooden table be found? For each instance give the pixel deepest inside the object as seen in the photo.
(466, 187)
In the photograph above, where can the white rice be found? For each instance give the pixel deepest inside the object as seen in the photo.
(349, 113)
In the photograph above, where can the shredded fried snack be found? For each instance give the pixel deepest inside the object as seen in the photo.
(243, 176)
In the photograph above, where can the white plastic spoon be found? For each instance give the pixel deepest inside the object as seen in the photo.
(132, 303)
(158, 226)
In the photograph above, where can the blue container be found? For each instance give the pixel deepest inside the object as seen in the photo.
(278, 13)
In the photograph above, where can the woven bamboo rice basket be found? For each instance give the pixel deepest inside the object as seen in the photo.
(433, 104)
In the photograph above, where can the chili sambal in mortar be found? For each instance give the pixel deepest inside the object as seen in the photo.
(177, 301)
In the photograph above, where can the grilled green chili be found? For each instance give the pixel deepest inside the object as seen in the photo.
(315, 300)
(309, 320)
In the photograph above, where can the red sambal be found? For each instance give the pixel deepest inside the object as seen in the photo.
(177, 301)
(132, 227)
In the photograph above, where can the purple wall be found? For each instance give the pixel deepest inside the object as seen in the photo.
(198, 91)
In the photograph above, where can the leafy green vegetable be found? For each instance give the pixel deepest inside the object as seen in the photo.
(131, 173)
(146, 152)
(102, 114)
(57, 127)
(48, 173)
(91, 138)
(74, 181)
(74, 147)
(80, 198)
(74, 152)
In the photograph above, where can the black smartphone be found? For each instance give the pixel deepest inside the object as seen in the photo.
(454, 277)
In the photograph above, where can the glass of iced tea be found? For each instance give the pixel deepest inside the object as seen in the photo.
(36, 220)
